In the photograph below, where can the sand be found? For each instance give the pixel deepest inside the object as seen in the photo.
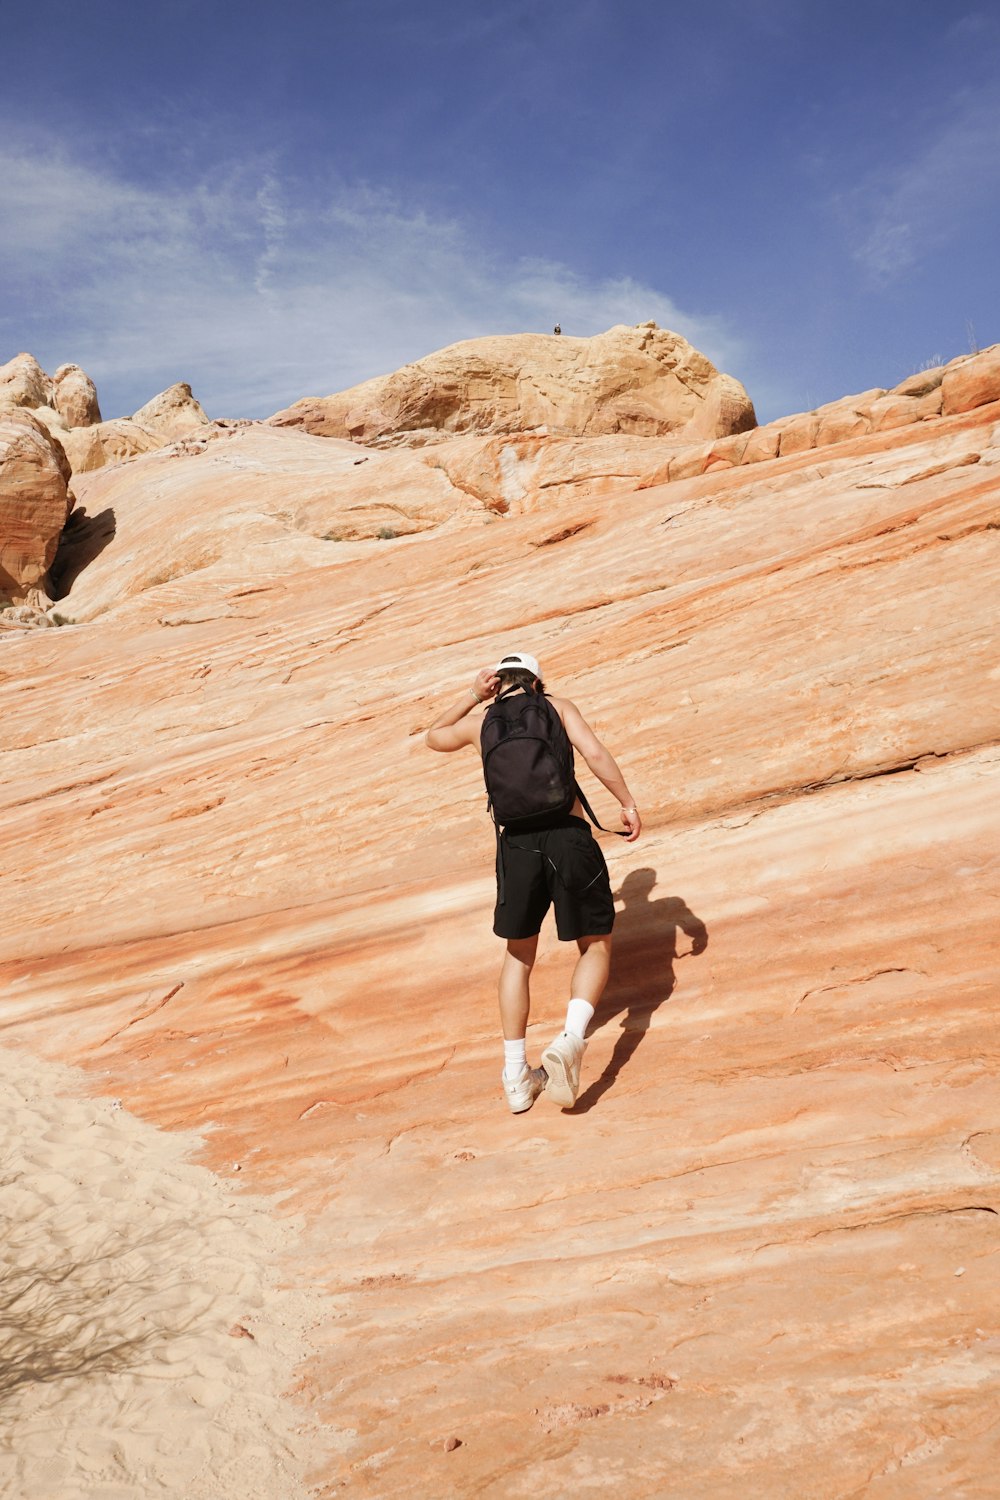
(145, 1340)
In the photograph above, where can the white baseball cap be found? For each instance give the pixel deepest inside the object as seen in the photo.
(519, 661)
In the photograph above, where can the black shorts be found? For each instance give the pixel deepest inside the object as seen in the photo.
(562, 867)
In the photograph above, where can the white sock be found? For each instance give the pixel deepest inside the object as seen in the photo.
(515, 1058)
(578, 1016)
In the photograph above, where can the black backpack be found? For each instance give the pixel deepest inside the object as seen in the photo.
(528, 762)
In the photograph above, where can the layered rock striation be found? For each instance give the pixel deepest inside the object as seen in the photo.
(281, 504)
(759, 1255)
(50, 430)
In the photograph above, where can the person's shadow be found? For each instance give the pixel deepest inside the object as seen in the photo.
(646, 944)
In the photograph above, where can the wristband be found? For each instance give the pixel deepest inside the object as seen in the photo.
(475, 695)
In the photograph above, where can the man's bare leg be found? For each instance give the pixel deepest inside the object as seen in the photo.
(522, 1084)
(562, 1057)
(515, 978)
(592, 969)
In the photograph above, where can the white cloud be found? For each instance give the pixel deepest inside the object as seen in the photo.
(273, 224)
(903, 213)
(258, 288)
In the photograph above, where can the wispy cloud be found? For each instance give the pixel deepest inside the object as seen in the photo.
(273, 226)
(904, 212)
(259, 288)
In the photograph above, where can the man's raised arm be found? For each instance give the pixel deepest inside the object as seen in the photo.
(448, 732)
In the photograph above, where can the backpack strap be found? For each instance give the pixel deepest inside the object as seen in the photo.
(618, 832)
(501, 872)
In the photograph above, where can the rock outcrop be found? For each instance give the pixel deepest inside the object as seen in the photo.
(279, 498)
(759, 1255)
(642, 381)
(112, 442)
(75, 397)
(34, 505)
(69, 397)
(67, 405)
(970, 381)
(23, 382)
(172, 414)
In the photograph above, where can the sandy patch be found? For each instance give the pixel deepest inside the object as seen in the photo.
(145, 1343)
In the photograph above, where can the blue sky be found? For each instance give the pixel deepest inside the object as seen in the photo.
(272, 201)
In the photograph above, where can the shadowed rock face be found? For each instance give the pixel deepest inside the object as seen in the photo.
(759, 1256)
(34, 505)
(643, 381)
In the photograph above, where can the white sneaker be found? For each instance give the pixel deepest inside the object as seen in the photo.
(523, 1090)
(561, 1061)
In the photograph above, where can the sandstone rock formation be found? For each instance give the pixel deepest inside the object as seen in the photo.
(759, 1256)
(643, 381)
(526, 472)
(34, 505)
(75, 397)
(67, 405)
(965, 383)
(972, 381)
(173, 413)
(23, 382)
(111, 442)
(288, 495)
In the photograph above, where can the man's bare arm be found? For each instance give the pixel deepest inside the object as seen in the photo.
(451, 729)
(601, 762)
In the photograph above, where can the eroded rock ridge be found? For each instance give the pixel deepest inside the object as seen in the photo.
(643, 381)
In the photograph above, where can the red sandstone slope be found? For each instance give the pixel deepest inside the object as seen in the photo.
(761, 1253)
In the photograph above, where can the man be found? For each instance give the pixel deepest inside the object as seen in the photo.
(542, 860)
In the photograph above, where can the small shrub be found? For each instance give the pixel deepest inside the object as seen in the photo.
(386, 534)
